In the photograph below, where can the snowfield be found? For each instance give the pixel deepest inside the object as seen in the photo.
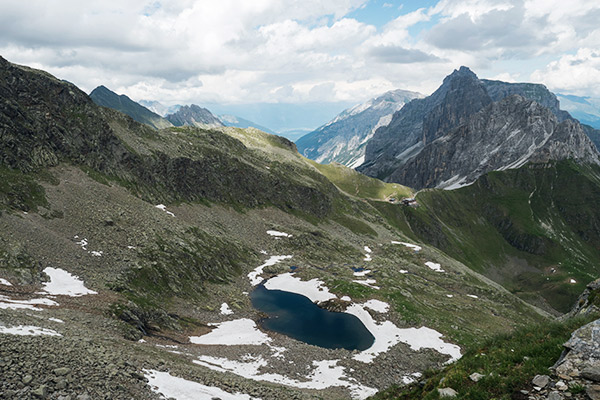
(387, 335)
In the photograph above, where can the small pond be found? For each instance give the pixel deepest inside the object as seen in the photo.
(296, 316)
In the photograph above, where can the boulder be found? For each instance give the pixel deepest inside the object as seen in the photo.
(447, 392)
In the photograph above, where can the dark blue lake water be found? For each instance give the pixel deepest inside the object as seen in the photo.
(296, 316)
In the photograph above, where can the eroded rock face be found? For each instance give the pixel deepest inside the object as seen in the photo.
(589, 301)
(506, 134)
(469, 127)
(581, 359)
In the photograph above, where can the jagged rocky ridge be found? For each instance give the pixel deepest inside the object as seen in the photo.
(45, 121)
(344, 138)
(504, 135)
(107, 98)
(194, 115)
(394, 152)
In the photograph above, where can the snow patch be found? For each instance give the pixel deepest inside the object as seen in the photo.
(5, 282)
(403, 271)
(83, 242)
(314, 289)
(456, 182)
(278, 234)
(377, 305)
(225, 310)
(60, 321)
(473, 296)
(358, 162)
(364, 272)
(410, 245)
(368, 282)
(164, 208)
(368, 255)
(572, 281)
(171, 386)
(64, 283)
(434, 266)
(237, 332)
(28, 330)
(254, 276)
(97, 253)
(7, 303)
(346, 298)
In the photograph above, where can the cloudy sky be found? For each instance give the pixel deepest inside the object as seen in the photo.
(301, 51)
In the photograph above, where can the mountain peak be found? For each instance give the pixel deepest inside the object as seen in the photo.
(193, 115)
(105, 97)
(461, 74)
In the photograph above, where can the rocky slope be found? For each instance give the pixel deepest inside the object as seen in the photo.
(194, 115)
(412, 148)
(343, 139)
(107, 98)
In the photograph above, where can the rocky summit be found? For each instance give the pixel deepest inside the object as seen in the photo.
(468, 127)
(193, 115)
(107, 98)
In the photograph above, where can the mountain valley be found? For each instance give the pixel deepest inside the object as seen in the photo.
(130, 250)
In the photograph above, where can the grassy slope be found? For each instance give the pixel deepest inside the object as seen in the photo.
(532, 229)
(508, 363)
(359, 185)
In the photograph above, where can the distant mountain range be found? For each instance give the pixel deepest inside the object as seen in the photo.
(159, 116)
(585, 109)
(344, 138)
(159, 108)
(238, 122)
(107, 98)
(193, 115)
